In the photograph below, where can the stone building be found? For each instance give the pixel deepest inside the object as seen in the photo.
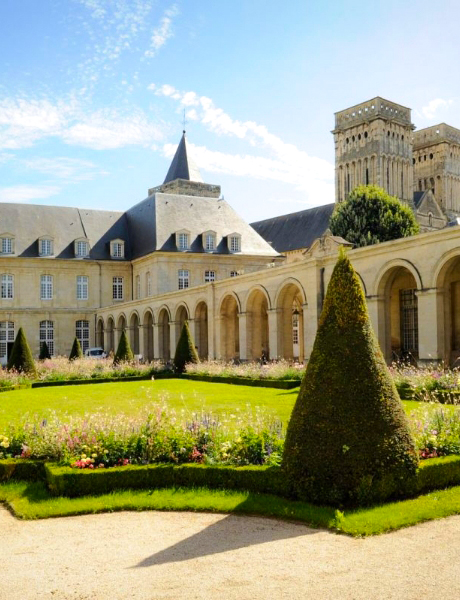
(247, 291)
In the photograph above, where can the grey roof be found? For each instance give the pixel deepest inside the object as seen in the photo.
(183, 165)
(29, 222)
(418, 198)
(295, 230)
(154, 222)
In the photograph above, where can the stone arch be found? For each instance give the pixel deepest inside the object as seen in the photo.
(134, 324)
(257, 306)
(229, 328)
(147, 325)
(447, 284)
(164, 338)
(201, 329)
(121, 322)
(182, 314)
(385, 272)
(110, 335)
(290, 300)
(100, 333)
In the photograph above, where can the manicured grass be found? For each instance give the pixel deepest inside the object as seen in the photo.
(32, 501)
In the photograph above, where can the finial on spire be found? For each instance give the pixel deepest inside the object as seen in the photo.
(184, 122)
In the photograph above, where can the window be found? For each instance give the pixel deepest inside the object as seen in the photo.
(82, 287)
(138, 287)
(235, 243)
(183, 279)
(183, 241)
(7, 245)
(45, 247)
(117, 288)
(47, 335)
(82, 333)
(46, 287)
(6, 338)
(210, 242)
(209, 276)
(7, 287)
(81, 249)
(233, 273)
(148, 284)
(117, 249)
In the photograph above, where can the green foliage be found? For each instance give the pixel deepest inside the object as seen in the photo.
(185, 350)
(124, 352)
(348, 440)
(76, 351)
(24, 470)
(44, 351)
(370, 216)
(21, 357)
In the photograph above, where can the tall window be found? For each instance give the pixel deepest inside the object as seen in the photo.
(183, 241)
(81, 249)
(6, 337)
(409, 321)
(6, 246)
(7, 286)
(210, 243)
(209, 276)
(183, 279)
(46, 287)
(117, 288)
(82, 333)
(82, 287)
(235, 244)
(148, 284)
(47, 335)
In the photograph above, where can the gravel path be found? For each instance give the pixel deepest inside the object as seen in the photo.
(187, 556)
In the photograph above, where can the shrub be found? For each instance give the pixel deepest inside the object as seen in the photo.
(44, 352)
(21, 357)
(185, 350)
(76, 351)
(124, 352)
(348, 440)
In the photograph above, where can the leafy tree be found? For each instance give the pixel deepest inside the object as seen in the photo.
(124, 352)
(348, 440)
(21, 357)
(185, 350)
(76, 351)
(370, 216)
(44, 351)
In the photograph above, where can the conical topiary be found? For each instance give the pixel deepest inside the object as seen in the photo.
(76, 351)
(124, 352)
(185, 350)
(348, 440)
(21, 357)
(44, 351)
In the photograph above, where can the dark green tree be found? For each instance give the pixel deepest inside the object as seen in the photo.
(370, 216)
(44, 351)
(21, 357)
(76, 351)
(348, 440)
(185, 350)
(124, 352)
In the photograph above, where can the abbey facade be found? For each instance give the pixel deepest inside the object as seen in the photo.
(247, 290)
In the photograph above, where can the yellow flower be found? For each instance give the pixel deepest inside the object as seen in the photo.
(94, 455)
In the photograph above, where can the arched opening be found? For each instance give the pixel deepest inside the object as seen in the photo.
(148, 336)
(134, 333)
(201, 330)
(257, 326)
(399, 289)
(110, 336)
(163, 335)
(448, 284)
(290, 323)
(181, 317)
(100, 334)
(121, 326)
(229, 329)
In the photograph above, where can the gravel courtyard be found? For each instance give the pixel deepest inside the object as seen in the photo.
(154, 555)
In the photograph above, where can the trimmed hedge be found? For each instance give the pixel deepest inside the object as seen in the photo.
(282, 384)
(436, 473)
(40, 384)
(25, 470)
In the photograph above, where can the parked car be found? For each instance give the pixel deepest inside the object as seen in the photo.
(95, 353)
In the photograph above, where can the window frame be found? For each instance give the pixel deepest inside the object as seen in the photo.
(77, 245)
(117, 286)
(209, 235)
(7, 238)
(46, 287)
(234, 242)
(45, 240)
(183, 234)
(209, 276)
(7, 286)
(82, 286)
(46, 334)
(183, 279)
(117, 249)
(82, 328)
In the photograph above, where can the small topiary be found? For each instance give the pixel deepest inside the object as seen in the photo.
(21, 357)
(44, 351)
(185, 350)
(348, 440)
(124, 352)
(76, 351)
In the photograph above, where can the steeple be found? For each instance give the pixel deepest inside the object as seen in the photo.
(183, 165)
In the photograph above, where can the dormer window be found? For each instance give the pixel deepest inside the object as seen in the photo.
(117, 249)
(45, 247)
(234, 242)
(209, 241)
(81, 248)
(183, 240)
(6, 244)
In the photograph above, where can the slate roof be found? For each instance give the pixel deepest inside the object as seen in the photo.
(183, 165)
(295, 230)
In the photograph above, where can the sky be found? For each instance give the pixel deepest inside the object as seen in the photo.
(93, 92)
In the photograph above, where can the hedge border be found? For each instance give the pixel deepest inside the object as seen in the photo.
(24, 470)
(282, 384)
(41, 384)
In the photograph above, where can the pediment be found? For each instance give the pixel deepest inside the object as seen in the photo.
(327, 244)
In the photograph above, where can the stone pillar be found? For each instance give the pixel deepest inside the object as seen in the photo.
(310, 326)
(430, 347)
(116, 338)
(242, 323)
(172, 338)
(273, 333)
(193, 328)
(141, 341)
(376, 309)
(156, 341)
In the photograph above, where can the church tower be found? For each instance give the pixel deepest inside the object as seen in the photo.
(373, 145)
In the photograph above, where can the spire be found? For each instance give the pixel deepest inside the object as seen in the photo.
(183, 165)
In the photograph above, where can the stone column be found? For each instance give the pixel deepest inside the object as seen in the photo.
(156, 341)
(273, 333)
(376, 309)
(310, 326)
(430, 347)
(242, 323)
(172, 338)
(215, 351)
(141, 341)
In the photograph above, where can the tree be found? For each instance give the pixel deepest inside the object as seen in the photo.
(44, 351)
(21, 357)
(185, 350)
(370, 216)
(348, 440)
(124, 352)
(76, 351)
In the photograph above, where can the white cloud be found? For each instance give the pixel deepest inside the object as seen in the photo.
(163, 32)
(5, 157)
(434, 106)
(27, 193)
(70, 169)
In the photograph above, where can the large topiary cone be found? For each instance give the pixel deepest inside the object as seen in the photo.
(76, 351)
(124, 352)
(185, 350)
(348, 440)
(21, 357)
(44, 351)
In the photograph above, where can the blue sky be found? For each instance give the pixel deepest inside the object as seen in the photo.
(92, 92)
